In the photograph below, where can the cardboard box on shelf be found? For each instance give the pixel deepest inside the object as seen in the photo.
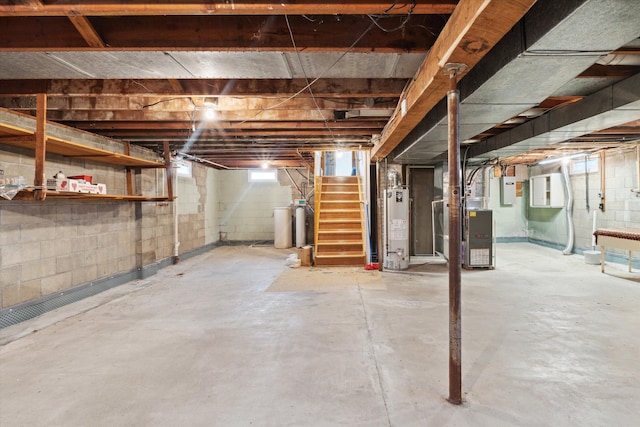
(87, 188)
(85, 178)
(63, 185)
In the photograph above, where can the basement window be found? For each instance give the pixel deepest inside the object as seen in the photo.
(184, 168)
(263, 175)
(579, 165)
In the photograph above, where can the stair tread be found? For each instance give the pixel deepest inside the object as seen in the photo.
(339, 254)
(341, 242)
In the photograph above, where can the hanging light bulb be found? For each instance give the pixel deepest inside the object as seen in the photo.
(209, 113)
(265, 165)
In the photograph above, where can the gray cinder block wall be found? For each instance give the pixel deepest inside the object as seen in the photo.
(246, 209)
(55, 245)
(549, 226)
(621, 207)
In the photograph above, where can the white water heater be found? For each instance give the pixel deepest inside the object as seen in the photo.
(396, 229)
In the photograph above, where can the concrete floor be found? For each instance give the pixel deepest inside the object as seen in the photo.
(235, 338)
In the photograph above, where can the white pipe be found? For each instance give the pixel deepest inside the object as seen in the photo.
(569, 208)
(593, 237)
(176, 240)
(637, 189)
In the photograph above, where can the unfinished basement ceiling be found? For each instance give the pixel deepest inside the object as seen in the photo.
(323, 76)
(287, 79)
(552, 79)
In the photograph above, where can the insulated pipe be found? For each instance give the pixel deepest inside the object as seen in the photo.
(569, 208)
(455, 259)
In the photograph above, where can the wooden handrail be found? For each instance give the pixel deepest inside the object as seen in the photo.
(317, 195)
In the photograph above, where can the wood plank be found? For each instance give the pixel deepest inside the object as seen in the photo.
(39, 180)
(86, 30)
(168, 169)
(146, 115)
(29, 195)
(185, 103)
(128, 172)
(221, 33)
(308, 7)
(334, 88)
(472, 30)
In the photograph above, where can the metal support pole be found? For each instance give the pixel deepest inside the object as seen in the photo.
(455, 259)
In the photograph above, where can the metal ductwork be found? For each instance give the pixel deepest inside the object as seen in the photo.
(541, 57)
(611, 106)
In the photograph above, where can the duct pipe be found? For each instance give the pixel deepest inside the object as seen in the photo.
(455, 259)
(568, 208)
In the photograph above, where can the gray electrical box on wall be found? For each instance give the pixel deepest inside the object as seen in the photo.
(507, 190)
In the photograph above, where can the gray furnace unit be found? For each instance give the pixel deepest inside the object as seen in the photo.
(478, 245)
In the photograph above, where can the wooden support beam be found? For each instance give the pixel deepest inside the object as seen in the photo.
(609, 71)
(168, 169)
(308, 7)
(129, 172)
(333, 88)
(183, 103)
(176, 86)
(86, 30)
(39, 180)
(472, 30)
(151, 116)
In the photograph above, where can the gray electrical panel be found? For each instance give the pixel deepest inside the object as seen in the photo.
(478, 244)
(508, 190)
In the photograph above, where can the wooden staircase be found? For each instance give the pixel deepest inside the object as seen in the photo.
(339, 237)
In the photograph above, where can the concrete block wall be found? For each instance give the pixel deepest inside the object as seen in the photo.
(196, 207)
(51, 246)
(622, 206)
(246, 209)
(548, 225)
(510, 220)
(56, 245)
(212, 215)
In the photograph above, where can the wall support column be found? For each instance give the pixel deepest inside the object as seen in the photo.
(455, 259)
(39, 180)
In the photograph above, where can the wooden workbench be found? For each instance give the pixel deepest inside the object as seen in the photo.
(620, 238)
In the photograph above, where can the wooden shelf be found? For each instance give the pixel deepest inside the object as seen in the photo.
(29, 195)
(80, 151)
(23, 136)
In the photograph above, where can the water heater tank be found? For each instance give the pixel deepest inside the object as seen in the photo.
(396, 230)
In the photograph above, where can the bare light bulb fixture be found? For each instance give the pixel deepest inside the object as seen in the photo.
(209, 104)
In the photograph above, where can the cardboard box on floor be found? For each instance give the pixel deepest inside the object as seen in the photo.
(304, 254)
